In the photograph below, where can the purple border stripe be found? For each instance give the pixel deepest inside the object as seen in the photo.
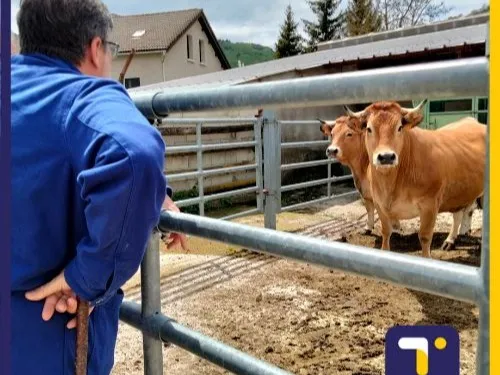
(5, 188)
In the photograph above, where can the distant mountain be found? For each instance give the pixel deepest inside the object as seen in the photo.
(247, 53)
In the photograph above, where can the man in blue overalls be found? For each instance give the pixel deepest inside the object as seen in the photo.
(87, 186)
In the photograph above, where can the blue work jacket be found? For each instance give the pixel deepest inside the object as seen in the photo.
(87, 190)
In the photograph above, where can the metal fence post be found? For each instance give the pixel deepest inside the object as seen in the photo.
(329, 175)
(259, 173)
(151, 305)
(272, 168)
(483, 346)
(199, 163)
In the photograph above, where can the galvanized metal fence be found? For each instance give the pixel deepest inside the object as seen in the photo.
(325, 161)
(201, 173)
(271, 147)
(456, 281)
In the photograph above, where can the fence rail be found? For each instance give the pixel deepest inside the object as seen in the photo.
(308, 164)
(442, 79)
(460, 282)
(437, 277)
(167, 330)
(211, 172)
(259, 149)
(200, 174)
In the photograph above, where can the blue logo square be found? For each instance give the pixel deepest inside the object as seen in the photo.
(422, 350)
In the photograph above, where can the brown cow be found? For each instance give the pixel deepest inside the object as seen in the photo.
(348, 147)
(420, 173)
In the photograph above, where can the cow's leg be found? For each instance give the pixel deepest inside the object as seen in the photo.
(428, 214)
(396, 226)
(449, 243)
(370, 210)
(465, 226)
(386, 230)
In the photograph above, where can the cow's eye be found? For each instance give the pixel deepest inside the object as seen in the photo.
(400, 128)
(369, 130)
(349, 135)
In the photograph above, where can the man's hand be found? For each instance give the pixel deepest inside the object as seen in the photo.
(174, 238)
(58, 297)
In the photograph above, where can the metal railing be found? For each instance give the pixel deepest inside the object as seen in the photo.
(326, 161)
(200, 174)
(460, 282)
(266, 124)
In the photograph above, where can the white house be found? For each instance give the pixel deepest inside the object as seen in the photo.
(168, 45)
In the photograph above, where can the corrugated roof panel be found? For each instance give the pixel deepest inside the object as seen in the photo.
(414, 43)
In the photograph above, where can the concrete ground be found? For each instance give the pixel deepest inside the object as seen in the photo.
(305, 319)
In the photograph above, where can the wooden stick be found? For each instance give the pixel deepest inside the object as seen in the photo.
(82, 337)
(121, 77)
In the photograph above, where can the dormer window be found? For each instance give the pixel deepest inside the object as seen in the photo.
(138, 34)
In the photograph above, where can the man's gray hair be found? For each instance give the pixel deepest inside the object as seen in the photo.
(62, 28)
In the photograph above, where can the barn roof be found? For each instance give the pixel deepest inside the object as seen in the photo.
(416, 40)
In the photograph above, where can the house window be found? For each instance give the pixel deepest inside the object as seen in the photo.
(132, 82)
(189, 47)
(202, 51)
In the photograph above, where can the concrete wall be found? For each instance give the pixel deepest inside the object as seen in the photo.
(180, 163)
(154, 67)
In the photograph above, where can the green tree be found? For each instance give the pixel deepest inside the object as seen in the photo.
(329, 24)
(362, 18)
(290, 41)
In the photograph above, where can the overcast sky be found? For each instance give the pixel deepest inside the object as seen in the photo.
(255, 21)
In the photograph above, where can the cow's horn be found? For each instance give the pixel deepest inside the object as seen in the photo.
(353, 114)
(418, 108)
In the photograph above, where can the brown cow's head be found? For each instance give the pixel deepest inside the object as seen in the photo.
(347, 138)
(386, 124)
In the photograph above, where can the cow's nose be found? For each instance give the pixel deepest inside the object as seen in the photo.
(332, 151)
(386, 158)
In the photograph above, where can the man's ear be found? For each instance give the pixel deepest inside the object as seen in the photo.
(326, 127)
(94, 51)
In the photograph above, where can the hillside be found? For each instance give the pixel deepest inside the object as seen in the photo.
(247, 53)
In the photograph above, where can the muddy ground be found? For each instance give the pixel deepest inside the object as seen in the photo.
(303, 318)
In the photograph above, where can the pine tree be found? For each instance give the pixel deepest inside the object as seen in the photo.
(362, 18)
(290, 41)
(329, 25)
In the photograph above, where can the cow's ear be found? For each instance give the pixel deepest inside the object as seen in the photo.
(326, 127)
(413, 117)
